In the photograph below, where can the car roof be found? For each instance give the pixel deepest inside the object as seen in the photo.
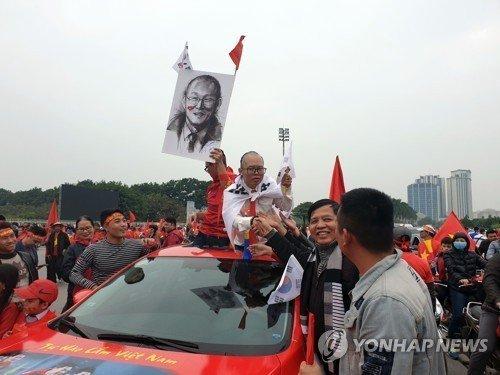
(196, 252)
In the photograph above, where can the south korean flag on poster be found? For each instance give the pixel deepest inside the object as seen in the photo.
(183, 61)
(289, 286)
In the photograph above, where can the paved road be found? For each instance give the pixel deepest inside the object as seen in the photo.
(454, 367)
(62, 286)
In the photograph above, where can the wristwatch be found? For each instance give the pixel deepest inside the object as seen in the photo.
(271, 233)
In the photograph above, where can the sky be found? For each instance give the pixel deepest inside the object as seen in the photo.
(396, 88)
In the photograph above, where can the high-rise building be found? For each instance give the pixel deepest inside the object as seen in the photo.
(460, 193)
(427, 195)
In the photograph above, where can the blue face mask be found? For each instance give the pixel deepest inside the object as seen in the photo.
(459, 245)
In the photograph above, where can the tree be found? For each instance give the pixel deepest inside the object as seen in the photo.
(403, 212)
(299, 213)
(425, 220)
(157, 206)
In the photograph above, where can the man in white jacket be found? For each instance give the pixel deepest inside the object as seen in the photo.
(252, 192)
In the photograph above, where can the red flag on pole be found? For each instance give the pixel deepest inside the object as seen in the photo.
(235, 54)
(451, 226)
(131, 217)
(53, 214)
(337, 188)
(310, 339)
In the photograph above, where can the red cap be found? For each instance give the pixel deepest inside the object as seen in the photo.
(43, 289)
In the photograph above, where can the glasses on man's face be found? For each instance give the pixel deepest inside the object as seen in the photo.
(206, 102)
(256, 170)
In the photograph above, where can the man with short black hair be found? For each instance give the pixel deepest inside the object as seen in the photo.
(32, 239)
(389, 300)
(173, 236)
(57, 242)
(328, 276)
(493, 248)
(108, 256)
(8, 255)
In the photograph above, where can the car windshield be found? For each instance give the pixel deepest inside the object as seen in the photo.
(218, 304)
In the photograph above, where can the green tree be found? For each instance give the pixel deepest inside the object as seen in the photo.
(157, 206)
(299, 213)
(425, 220)
(403, 212)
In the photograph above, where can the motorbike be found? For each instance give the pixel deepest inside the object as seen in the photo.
(470, 330)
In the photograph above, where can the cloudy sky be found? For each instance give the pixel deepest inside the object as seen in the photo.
(397, 88)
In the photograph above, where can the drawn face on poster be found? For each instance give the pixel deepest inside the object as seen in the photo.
(198, 114)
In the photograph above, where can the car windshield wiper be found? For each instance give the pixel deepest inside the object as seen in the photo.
(185, 346)
(69, 321)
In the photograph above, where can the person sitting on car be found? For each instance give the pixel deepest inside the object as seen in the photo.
(36, 300)
(461, 266)
(212, 232)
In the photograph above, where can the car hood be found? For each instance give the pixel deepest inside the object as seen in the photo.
(44, 349)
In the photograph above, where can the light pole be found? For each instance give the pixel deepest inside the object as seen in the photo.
(284, 136)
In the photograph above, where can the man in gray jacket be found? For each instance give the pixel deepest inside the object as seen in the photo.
(390, 301)
(493, 249)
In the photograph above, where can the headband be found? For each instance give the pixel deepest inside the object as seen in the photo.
(6, 232)
(112, 217)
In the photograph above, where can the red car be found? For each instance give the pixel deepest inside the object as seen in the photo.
(180, 310)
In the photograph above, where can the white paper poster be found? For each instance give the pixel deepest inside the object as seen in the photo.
(198, 114)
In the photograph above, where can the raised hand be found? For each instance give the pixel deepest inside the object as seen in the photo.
(216, 154)
(286, 181)
(290, 224)
(260, 249)
(261, 226)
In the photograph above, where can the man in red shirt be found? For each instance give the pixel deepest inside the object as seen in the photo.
(421, 267)
(173, 236)
(212, 232)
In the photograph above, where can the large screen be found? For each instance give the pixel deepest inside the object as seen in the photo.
(76, 201)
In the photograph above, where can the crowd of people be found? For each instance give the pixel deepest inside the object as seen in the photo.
(358, 275)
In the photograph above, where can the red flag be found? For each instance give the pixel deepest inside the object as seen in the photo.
(451, 226)
(310, 339)
(131, 217)
(235, 54)
(53, 214)
(337, 187)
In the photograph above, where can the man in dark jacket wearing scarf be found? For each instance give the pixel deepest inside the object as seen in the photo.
(56, 244)
(328, 275)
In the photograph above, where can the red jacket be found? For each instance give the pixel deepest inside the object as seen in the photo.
(21, 323)
(8, 318)
(174, 237)
(419, 265)
(213, 224)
